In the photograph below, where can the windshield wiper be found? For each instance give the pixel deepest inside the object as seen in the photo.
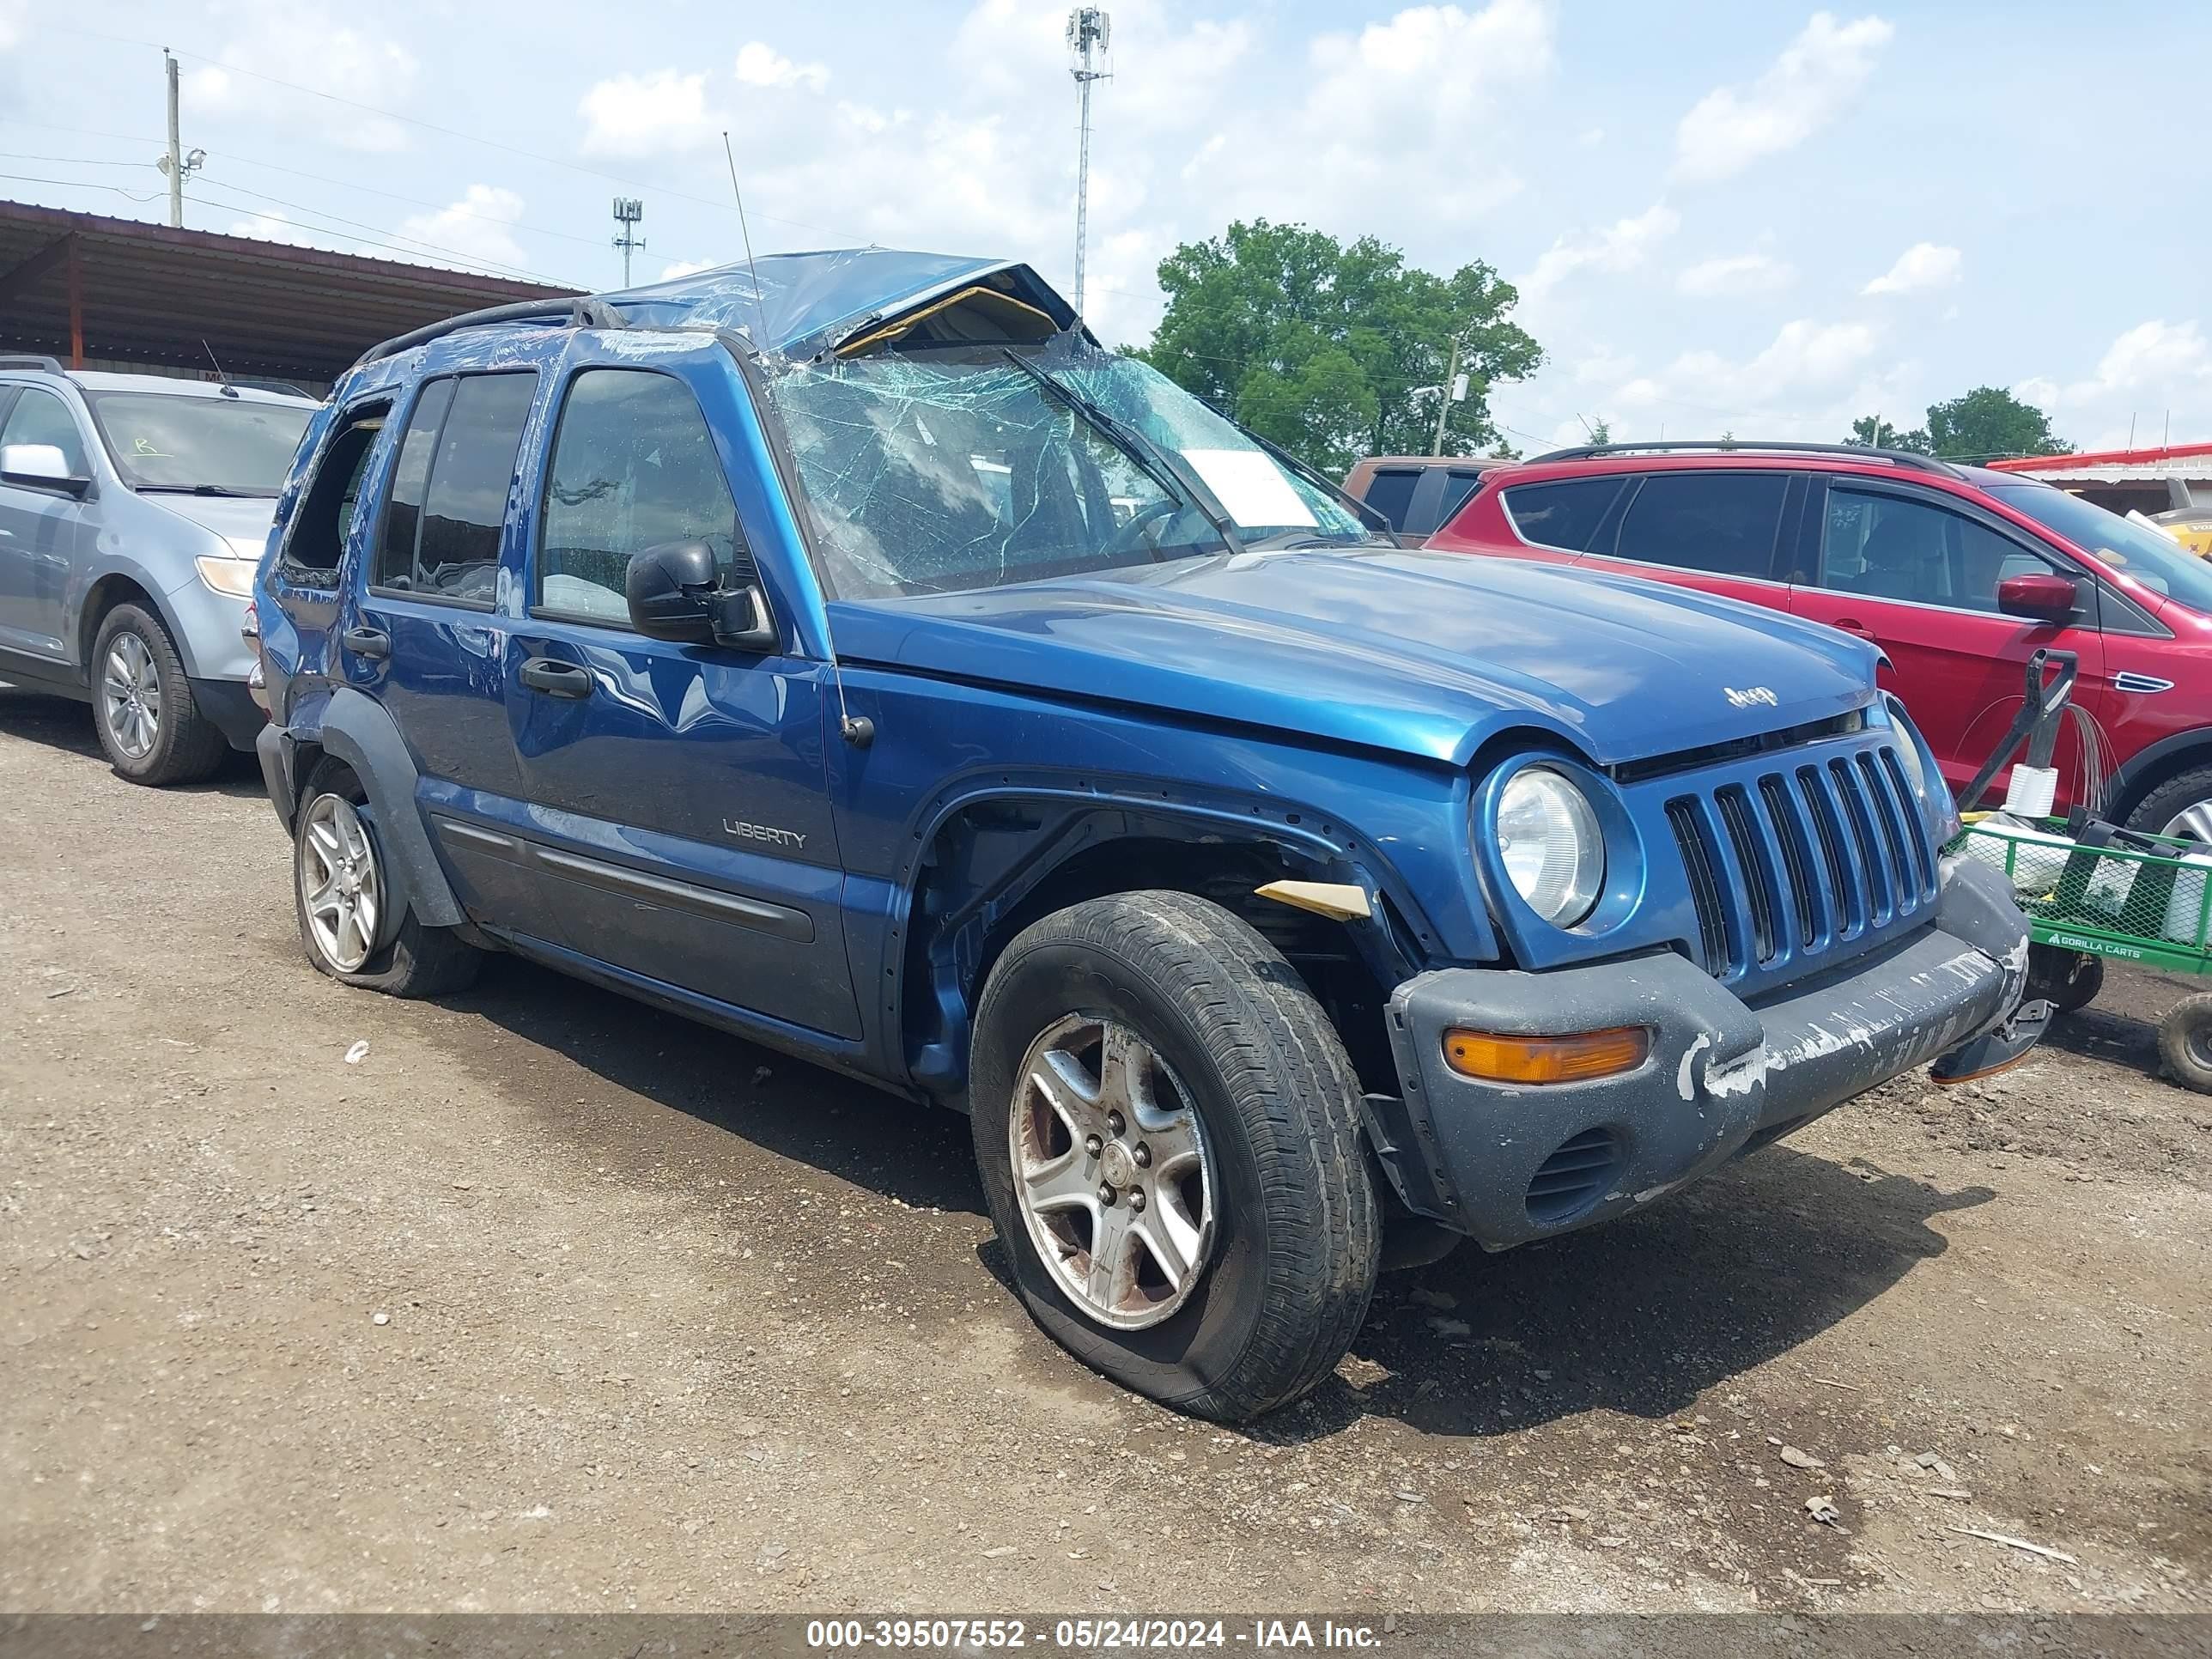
(1162, 465)
(204, 489)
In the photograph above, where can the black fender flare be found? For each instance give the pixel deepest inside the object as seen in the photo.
(2126, 781)
(359, 731)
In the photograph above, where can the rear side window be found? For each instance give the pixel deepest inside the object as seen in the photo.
(1722, 523)
(1565, 515)
(1390, 492)
(633, 466)
(471, 459)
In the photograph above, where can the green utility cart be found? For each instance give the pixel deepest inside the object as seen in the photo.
(2148, 902)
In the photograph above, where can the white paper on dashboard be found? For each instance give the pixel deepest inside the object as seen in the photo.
(1251, 487)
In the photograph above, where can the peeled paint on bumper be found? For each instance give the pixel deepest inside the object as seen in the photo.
(1722, 1077)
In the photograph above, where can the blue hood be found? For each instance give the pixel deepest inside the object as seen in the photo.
(1427, 654)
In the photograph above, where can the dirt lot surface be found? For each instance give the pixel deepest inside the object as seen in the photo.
(552, 1301)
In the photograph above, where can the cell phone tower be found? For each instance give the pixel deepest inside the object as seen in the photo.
(1088, 31)
(628, 211)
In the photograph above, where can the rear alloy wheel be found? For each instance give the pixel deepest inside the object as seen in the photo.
(1111, 1172)
(341, 889)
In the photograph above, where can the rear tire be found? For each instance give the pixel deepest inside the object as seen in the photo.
(2185, 1043)
(1237, 1077)
(2180, 807)
(150, 729)
(355, 943)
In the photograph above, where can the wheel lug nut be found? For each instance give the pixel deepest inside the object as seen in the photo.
(1137, 1198)
(1106, 1194)
(1143, 1154)
(1093, 1146)
(1115, 1122)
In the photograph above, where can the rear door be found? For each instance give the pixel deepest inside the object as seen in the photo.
(679, 792)
(1390, 492)
(1916, 571)
(1718, 531)
(423, 633)
(44, 533)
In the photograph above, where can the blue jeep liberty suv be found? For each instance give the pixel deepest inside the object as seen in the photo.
(850, 652)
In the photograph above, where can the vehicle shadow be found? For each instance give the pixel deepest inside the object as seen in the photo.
(65, 723)
(1642, 1316)
(917, 1154)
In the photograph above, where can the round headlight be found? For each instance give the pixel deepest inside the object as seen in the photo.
(1908, 750)
(1548, 838)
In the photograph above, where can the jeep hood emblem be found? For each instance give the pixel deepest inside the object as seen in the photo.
(1752, 696)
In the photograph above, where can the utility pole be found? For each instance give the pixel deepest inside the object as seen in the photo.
(1088, 29)
(175, 158)
(628, 210)
(1444, 398)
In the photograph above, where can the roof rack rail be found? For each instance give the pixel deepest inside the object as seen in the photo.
(1903, 457)
(50, 364)
(579, 313)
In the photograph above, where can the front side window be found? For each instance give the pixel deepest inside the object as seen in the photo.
(633, 467)
(167, 440)
(943, 472)
(1565, 514)
(1895, 547)
(1721, 523)
(323, 521)
(449, 491)
(39, 417)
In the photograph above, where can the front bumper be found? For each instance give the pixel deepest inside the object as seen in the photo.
(1506, 1163)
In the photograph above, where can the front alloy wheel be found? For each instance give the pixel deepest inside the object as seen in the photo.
(1111, 1171)
(341, 890)
(131, 697)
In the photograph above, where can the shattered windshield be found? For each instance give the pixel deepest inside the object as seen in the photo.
(937, 473)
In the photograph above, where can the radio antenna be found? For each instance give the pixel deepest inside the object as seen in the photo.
(860, 731)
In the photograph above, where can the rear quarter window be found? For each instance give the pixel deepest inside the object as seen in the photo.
(1390, 493)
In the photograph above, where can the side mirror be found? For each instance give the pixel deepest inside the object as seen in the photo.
(2042, 598)
(39, 466)
(677, 593)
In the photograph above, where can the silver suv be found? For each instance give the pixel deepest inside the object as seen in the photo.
(133, 509)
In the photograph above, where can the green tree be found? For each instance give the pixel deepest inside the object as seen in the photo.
(1990, 422)
(1335, 349)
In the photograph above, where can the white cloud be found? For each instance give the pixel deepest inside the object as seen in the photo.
(684, 268)
(1812, 81)
(305, 45)
(273, 226)
(637, 115)
(1923, 265)
(2041, 391)
(759, 64)
(1621, 246)
(478, 229)
(1738, 276)
(2153, 354)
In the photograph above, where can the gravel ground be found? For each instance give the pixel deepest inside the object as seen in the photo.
(552, 1302)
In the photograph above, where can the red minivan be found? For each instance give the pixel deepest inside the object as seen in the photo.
(1958, 573)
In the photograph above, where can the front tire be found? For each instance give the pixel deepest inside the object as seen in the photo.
(149, 728)
(354, 924)
(1168, 1130)
(2180, 807)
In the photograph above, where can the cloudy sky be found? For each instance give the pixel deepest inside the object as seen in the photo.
(1754, 217)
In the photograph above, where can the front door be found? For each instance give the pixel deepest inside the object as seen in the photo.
(43, 534)
(679, 792)
(1917, 571)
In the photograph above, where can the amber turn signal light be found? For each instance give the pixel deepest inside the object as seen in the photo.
(1576, 1059)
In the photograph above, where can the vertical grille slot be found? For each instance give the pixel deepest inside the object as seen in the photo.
(1863, 841)
(1924, 851)
(1758, 878)
(1805, 896)
(1843, 886)
(1704, 887)
(1899, 868)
